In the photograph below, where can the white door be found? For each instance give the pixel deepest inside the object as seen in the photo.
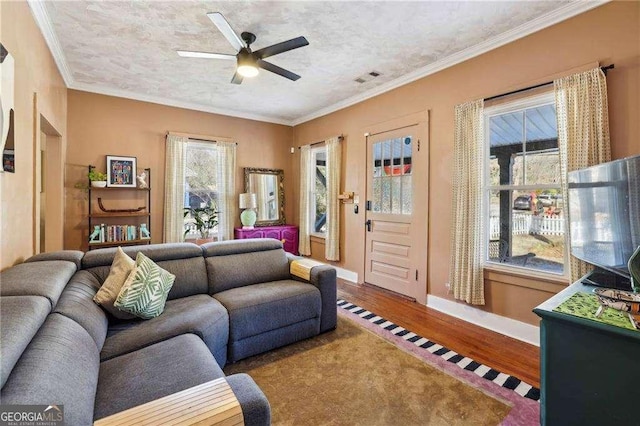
(395, 243)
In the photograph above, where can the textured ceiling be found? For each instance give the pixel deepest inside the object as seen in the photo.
(130, 47)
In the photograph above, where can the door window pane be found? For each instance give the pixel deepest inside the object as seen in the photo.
(391, 186)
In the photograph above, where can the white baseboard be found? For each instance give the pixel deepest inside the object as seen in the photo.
(509, 327)
(347, 275)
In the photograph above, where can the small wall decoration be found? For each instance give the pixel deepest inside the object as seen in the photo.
(121, 171)
(142, 180)
(7, 145)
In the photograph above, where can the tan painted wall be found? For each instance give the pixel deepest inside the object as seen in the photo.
(35, 73)
(103, 125)
(608, 34)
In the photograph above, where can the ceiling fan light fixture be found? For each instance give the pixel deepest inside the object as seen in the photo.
(247, 66)
(247, 70)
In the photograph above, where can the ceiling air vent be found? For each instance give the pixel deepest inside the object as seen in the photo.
(367, 77)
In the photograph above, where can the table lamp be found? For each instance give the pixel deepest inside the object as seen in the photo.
(248, 202)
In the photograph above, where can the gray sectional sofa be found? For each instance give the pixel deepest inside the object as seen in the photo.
(230, 300)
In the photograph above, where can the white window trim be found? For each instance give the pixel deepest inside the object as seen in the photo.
(311, 185)
(509, 107)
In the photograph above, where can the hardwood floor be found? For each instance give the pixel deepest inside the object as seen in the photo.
(495, 350)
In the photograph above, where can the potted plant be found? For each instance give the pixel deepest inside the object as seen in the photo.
(97, 179)
(204, 219)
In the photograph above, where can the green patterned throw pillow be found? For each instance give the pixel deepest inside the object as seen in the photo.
(145, 291)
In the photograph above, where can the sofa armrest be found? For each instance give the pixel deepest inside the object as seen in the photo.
(255, 406)
(324, 278)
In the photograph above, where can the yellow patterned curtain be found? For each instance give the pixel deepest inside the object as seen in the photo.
(467, 229)
(583, 131)
(334, 164)
(304, 242)
(226, 183)
(175, 155)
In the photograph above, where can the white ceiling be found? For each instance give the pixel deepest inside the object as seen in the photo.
(128, 48)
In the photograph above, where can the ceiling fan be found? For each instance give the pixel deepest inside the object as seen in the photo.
(247, 61)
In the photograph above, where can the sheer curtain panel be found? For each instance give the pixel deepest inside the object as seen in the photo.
(304, 243)
(176, 147)
(226, 189)
(583, 132)
(467, 228)
(334, 164)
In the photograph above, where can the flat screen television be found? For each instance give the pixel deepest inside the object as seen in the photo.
(604, 218)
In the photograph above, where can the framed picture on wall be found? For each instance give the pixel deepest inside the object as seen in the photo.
(121, 172)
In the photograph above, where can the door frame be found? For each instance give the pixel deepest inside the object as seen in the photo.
(54, 181)
(420, 218)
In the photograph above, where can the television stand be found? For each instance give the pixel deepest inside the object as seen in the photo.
(604, 278)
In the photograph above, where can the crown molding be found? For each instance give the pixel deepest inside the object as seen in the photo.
(568, 11)
(102, 90)
(565, 12)
(41, 16)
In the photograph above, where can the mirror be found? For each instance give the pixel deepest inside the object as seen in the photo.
(269, 189)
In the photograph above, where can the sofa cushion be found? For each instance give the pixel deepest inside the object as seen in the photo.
(76, 302)
(74, 256)
(232, 264)
(155, 252)
(240, 349)
(22, 317)
(200, 315)
(267, 306)
(119, 271)
(46, 278)
(249, 245)
(60, 366)
(153, 372)
(187, 265)
(145, 291)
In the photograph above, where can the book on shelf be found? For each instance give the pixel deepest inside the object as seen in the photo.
(116, 233)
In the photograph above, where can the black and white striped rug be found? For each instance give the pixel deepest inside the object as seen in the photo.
(504, 380)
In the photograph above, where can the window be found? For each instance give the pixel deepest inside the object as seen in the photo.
(200, 189)
(391, 191)
(318, 190)
(525, 208)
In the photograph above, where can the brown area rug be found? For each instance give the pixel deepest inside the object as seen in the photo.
(352, 376)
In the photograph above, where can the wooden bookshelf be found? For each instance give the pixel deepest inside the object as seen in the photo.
(120, 243)
(120, 214)
(99, 217)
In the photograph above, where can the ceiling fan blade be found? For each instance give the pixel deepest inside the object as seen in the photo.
(237, 78)
(205, 55)
(285, 46)
(277, 70)
(226, 30)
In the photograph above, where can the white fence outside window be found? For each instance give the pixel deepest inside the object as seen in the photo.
(528, 224)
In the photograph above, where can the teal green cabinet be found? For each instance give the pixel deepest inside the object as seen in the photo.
(589, 371)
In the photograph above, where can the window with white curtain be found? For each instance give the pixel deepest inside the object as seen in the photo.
(318, 190)
(200, 181)
(525, 211)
